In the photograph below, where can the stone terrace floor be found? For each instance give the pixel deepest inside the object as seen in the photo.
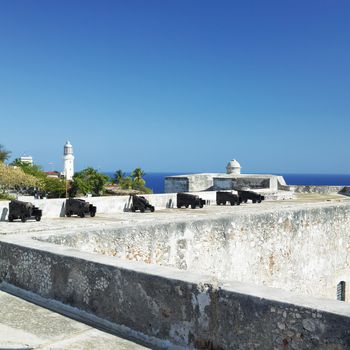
(24, 325)
(75, 223)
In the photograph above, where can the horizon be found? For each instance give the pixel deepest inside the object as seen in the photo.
(184, 84)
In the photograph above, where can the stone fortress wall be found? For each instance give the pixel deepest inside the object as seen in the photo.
(245, 277)
(198, 282)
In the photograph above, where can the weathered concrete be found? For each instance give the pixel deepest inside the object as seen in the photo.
(164, 304)
(220, 181)
(293, 246)
(320, 189)
(24, 325)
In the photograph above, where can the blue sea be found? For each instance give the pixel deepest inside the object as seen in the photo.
(155, 181)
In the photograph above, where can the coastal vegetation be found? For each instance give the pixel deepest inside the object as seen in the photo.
(26, 178)
(49, 187)
(134, 182)
(16, 180)
(88, 181)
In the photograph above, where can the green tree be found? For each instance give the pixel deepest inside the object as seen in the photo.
(119, 176)
(138, 174)
(12, 178)
(30, 169)
(88, 180)
(4, 154)
(126, 183)
(54, 188)
(138, 183)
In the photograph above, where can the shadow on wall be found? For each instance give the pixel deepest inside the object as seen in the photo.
(3, 216)
(170, 203)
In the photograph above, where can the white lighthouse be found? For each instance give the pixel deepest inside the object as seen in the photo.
(68, 159)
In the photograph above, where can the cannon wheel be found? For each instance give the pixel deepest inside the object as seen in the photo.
(37, 218)
(259, 201)
(92, 213)
(193, 206)
(10, 218)
(82, 214)
(201, 205)
(152, 209)
(23, 218)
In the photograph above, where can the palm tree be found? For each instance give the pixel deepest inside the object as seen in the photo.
(4, 154)
(119, 176)
(138, 174)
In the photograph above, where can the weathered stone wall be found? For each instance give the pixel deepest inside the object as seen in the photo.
(304, 250)
(320, 189)
(213, 181)
(188, 183)
(180, 184)
(220, 183)
(185, 309)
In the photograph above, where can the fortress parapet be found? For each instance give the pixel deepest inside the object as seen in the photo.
(220, 181)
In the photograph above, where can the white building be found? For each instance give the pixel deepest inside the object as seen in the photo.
(68, 159)
(26, 159)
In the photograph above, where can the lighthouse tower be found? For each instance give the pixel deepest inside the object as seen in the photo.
(68, 159)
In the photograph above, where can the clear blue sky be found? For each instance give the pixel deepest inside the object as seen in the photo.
(178, 85)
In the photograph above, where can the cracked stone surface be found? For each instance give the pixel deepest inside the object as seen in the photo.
(24, 325)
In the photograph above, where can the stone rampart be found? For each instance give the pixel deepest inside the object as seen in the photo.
(303, 249)
(319, 189)
(172, 308)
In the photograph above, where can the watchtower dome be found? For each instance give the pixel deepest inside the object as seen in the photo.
(233, 167)
(68, 161)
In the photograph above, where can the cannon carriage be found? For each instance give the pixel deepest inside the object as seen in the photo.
(250, 195)
(187, 199)
(223, 197)
(79, 207)
(24, 211)
(141, 203)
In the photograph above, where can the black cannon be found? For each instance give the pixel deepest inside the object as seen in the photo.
(79, 207)
(141, 203)
(224, 197)
(253, 196)
(186, 200)
(23, 210)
